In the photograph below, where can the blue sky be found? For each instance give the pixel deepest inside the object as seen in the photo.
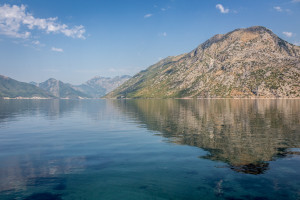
(75, 40)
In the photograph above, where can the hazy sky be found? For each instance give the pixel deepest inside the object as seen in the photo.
(75, 40)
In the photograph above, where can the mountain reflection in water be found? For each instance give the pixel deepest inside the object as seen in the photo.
(89, 149)
(246, 134)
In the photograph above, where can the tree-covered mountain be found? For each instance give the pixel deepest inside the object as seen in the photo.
(11, 88)
(250, 62)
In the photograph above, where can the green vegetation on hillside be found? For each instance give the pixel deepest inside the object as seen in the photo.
(12, 89)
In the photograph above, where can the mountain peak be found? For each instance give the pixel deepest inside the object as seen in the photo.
(257, 29)
(52, 80)
(61, 90)
(255, 38)
(247, 62)
(242, 34)
(4, 77)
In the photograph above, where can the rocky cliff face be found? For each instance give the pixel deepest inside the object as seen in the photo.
(251, 62)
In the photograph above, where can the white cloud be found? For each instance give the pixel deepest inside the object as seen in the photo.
(57, 49)
(162, 34)
(148, 15)
(288, 34)
(36, 42)
(278, 8)
(16, 22)
(222, 9)
(163, 9)
(297, 43)
(295, 1)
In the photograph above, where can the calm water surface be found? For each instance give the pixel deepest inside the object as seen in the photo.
(149, 149)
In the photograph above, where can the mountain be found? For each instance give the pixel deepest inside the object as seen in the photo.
(14, 89)
(250, 62)
(61, 90)
(92, 92)
(99, 86)
(34, 83)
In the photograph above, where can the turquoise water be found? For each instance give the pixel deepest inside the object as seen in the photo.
(149, 149)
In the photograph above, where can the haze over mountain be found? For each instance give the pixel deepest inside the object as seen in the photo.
(99, 86)
(11, 88)
(251, 62)
(61, 90)
(93, 88)
(52, 88)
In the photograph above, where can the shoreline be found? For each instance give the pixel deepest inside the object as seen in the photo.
(41, 98)
(44, 98)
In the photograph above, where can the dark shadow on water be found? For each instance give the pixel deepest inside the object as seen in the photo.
(38, 181)
(257, 168)
(143, 187)
(282, 153)
(44, 196)
(247, 197)
(60, 186)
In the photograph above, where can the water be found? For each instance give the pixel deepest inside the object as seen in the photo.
(149, 149)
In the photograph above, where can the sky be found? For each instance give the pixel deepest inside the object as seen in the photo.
(74, 41)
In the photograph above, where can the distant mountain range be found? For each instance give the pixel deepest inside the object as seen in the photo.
(99, 86)
(250, 62)
(61, 90)
(52, 88)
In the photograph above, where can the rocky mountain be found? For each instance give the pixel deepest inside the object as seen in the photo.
(61, 90)
(15, 89)
(99, 86)
(250, 62)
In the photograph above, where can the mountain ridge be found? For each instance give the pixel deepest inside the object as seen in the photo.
(61, 90)
(53, 88)
(250, 62)
(11, 88)
(95, 87)
(98, 86)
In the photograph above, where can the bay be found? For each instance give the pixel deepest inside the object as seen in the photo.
(150, 149)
